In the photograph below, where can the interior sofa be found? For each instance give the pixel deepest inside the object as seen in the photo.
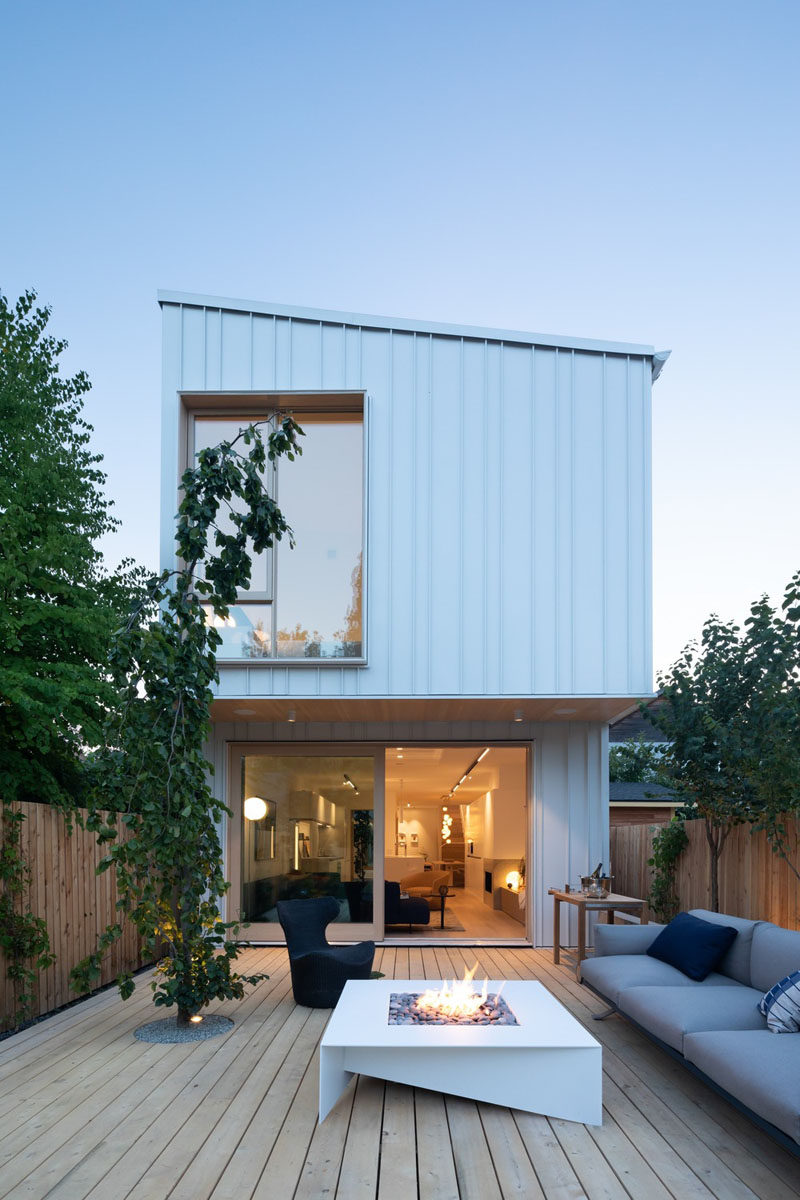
(715, 1025)
(398, 911)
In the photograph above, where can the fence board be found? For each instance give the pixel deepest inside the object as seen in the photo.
(753, 882)
(76, 904)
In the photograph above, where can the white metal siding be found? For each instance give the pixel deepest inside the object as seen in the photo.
(508, 506)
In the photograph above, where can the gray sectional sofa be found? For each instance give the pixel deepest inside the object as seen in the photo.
(714, 1025)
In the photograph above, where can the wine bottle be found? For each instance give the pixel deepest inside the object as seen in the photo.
(597, 870)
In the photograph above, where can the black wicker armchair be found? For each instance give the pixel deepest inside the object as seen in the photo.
(320, 971)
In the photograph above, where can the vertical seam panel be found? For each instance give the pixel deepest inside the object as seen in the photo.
(501, 462)
(429, 522)
(647, 538)
(205, 347)
(556, 519)
(604, 517)
(460, 618)
(390, 514)
(628, 520)
(414, 514)
(532, 475)
(572, 523)
(485, 500)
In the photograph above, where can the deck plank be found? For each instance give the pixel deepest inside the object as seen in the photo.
(477, 1178)
(284, 1166)
(397, 1175)
(158, 1148)
(554, 1171)
(513, 1167)
(244, 1169)
(92, 1115)
(358, 1177)
(685, 1114)
(436, 1166)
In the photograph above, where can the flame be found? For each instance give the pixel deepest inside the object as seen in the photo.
(454, 999)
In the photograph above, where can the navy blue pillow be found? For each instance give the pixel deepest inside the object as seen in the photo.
(693, 946)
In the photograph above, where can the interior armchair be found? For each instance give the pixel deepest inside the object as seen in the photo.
(425, 885)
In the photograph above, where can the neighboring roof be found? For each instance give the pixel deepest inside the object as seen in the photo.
(365, 321)
(635, 725)
(641, 793)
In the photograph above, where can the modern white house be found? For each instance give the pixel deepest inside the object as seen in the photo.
(427, 680)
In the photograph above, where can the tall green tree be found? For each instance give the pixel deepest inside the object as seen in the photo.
(58, 604)
(152, 771)
(731, 713)
(770, 724)
(635, 761)
(703, 694)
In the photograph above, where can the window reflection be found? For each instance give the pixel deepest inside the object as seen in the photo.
(245, 632)
(316, 588)
(209, 432)
(310, 833)
(319, 582)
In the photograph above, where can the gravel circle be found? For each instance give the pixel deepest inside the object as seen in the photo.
(170, 1031)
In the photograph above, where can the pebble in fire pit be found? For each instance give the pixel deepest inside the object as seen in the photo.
(403, 1011)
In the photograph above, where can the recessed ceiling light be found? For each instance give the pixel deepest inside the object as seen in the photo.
(519, 715)
(291, 716)
(245, 712)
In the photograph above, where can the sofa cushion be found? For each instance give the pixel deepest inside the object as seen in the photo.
(736, 962)
(776, 953)
(693, 946)
(624, 939)
(759, 1069)
(611, 975)
(781, 1005)
(671, 1013)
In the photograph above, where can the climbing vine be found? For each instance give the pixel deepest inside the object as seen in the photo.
(668, 845)
(23, 936)
(152, 776)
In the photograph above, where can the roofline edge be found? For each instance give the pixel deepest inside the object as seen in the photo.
(405, 325)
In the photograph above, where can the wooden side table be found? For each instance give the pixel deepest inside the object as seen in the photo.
(586, 904)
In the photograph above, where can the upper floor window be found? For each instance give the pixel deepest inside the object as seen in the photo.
(302, 604)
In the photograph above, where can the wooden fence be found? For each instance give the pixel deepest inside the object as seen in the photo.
(76, 903)
(753, 882)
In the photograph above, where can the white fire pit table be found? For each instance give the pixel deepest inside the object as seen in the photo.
(547, 1063)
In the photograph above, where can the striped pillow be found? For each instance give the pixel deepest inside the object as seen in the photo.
(781, 1005)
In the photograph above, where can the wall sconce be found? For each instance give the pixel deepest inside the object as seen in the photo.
(513, 880)
(255, 808)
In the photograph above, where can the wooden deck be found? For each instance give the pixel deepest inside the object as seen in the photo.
(87, 1111)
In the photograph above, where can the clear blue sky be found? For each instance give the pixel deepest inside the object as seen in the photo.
(609, 170)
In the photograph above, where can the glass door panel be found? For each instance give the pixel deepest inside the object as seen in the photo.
(305, 826)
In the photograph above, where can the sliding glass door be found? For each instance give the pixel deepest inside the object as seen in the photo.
(307, 821)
